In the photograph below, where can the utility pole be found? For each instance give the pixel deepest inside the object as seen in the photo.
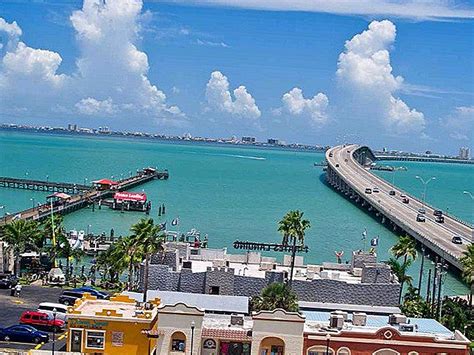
(428, 287)
(421, 268)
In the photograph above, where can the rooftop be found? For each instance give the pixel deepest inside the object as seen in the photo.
(318, 320)
(120, 307)
(209, 303)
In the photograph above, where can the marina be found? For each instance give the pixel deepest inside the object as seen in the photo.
(62, 203)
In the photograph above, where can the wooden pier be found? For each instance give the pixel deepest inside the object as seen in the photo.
(38, 185)
(82, 197)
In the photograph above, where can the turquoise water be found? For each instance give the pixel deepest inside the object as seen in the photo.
(226, 192)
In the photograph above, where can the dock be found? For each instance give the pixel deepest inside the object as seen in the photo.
(38, 185)
(82, 196)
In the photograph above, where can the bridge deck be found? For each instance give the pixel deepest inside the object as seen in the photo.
(437, 236)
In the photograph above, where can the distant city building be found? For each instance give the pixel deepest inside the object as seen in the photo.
(72, 127)
(464, 153)
(428, 152)
(104, 130)
(273, 141)
(247, 139)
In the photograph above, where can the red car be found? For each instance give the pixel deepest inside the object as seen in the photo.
(41, 320)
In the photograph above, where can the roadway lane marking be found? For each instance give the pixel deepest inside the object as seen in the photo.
(38, 346)
(61, 337)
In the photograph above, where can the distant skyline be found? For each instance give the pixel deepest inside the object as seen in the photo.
(381, 73)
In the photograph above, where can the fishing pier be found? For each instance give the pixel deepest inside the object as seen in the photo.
(81, 195)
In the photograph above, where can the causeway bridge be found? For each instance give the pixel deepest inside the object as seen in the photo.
(348, 172)
(81, 195)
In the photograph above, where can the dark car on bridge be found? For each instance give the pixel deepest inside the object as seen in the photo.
(392, 193)
(437, 213)
(24, 333)
(456, 239)
(405, 200)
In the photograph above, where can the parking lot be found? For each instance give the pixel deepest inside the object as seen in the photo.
(11, 309)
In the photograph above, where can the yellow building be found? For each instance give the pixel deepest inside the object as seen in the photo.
(115, 326)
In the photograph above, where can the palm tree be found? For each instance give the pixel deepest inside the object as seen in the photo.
(293, 227)
(21, 235)
(131, 253)
(467, 261)
(405, 247)
(400, 271)
(148, 237)
(275, 295)
(54, 227)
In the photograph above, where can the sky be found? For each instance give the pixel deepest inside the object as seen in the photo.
(396, 74)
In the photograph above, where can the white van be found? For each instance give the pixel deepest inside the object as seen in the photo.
(47, 307)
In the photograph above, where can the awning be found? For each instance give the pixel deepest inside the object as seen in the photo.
(60, 195)
(227, 334)
(130, 196)
(105, 182)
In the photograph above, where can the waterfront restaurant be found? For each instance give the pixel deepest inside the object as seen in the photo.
(115, 326)
(104, 184)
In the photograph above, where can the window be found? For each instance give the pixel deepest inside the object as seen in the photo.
(214, 290)
(178, 342)
(345, 351)
(95, 339)
(386, 352)
(320, 350)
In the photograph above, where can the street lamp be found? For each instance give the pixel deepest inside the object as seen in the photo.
(47, 178)
(88, 226)
(193, 325)
(425, 183)
(54, 329)
(328, 339)
(85, 181)
(33, 201)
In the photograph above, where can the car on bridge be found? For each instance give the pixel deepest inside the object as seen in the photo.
(405, 200)
(376, 190)
(368, 190)
(437, 213)
(457, 239)
(391, 192)
(420, 218)
(422, 211)
(439, 219)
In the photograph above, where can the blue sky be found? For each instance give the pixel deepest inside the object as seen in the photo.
(405, 82)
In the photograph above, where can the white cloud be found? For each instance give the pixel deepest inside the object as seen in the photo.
(109, 66)
(91, 106)
(219, 97)
(460, 123)
(365, 68)
(417, 9)
(316, 107)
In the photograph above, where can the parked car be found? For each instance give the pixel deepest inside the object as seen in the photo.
(376, 190)
(420, 218)
(93, 292)
(24, 333)
(49, 308)
(69, 297)
(368, 190)
(56, 277)
(392, 193)
(8, 281)
(41, 320)
(457, 239)
(438, 213)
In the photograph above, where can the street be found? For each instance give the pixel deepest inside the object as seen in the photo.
(11, 309)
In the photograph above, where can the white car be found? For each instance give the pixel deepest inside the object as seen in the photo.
(56, 277)
(49, 308)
